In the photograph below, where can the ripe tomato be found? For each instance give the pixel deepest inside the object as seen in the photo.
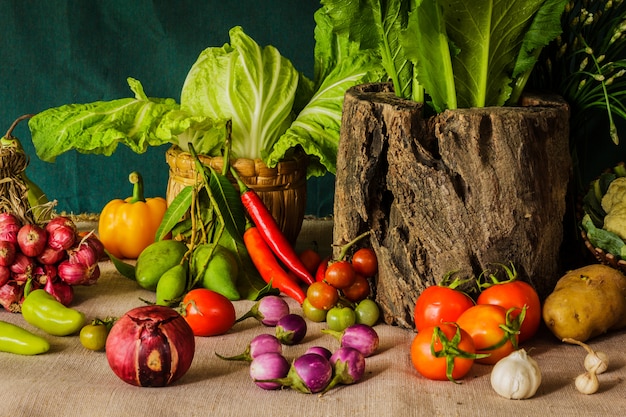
(359, 290)
(439, 304)
(510, 294)
(454, 352)
(208, 313)
(340, 274)
(322, 295)
(310, 259)
(364, 262)
(492, 331)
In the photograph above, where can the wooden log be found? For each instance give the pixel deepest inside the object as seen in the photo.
(458, 191)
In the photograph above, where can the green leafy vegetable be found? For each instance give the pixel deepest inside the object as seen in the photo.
(137, 122)
(253, 86)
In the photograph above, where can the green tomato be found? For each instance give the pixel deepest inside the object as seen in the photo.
(339, 318)
(313, 313)
(367, 312)
(93, 336)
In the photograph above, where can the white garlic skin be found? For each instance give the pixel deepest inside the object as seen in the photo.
(587, 383)
(516, 376)
(597, 362)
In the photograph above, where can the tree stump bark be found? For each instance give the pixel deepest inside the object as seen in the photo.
(459, 191)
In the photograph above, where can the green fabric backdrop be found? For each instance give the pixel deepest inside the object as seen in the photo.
(72, 51)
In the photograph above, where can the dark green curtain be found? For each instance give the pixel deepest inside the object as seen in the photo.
(74, 51)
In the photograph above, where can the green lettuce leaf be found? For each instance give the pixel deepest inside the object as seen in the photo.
(99, 127)
(340, 63)
(426, 43)
(254, 87)
(489, 35)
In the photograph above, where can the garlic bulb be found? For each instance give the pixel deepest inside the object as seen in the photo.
(516, 376)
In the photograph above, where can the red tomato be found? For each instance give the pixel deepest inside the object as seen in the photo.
(340, 274)
(322, 295)
(492, 333)
(310, 259)
(359, 290)
(455, 354)
(364, 262)
(516, 294)
(208, 313)
(439, 304)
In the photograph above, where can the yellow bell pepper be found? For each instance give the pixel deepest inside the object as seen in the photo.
(126, 227)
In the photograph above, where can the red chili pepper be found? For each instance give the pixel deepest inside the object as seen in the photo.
(271, 233)
(269, 268)
(321, 269)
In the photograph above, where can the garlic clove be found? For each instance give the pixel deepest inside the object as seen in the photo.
(587, 383)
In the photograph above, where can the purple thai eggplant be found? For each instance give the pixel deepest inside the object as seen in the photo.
(267, 369)
(348, 367)
(291, 329)
(268, 310)
(359, 336)
(263, 343)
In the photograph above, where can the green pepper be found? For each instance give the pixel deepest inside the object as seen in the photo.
(14, 339)
(43, 311)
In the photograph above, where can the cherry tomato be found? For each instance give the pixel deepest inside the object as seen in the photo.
(359, 290)
(365, 262)
(322, 295)
(208, 312)
(314, 314)
(516, 294)
(367, 312)
(491, 331)
(454, 352)
(439, 304)
(93, 336)
(340, 274)
(310, 259)
(340, 317)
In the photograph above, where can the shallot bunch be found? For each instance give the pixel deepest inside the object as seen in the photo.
(51, 256)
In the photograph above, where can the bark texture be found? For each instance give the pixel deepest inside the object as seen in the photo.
(458, 191)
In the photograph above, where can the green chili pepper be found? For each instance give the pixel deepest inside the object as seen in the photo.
(14, 339)
(43, 311)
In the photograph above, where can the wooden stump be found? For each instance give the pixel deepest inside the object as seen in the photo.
(458, 191)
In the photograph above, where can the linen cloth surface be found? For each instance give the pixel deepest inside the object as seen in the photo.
(71, 381)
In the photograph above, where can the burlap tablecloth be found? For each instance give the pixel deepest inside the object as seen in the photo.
(71, 381)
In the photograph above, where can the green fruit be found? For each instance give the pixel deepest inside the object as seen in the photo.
(216, 271)
(172, 285)
(156, 259)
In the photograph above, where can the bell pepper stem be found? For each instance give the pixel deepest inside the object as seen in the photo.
(136, 179)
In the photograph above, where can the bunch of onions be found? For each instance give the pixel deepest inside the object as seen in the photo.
(51, 256)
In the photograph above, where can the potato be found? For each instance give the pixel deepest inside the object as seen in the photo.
(586, 302)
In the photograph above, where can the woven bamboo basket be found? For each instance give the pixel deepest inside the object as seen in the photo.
(282, 188)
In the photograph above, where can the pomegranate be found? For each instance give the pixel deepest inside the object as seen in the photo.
(150, 346)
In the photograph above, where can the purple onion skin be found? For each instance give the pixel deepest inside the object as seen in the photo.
(348, 367)
(320, 350)
(150, 346)
(268, 310)
(268, 369)
(291, 329)
(359, 336)
(259, 345)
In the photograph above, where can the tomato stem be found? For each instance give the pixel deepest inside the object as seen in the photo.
(450, 350)
(345, 248)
